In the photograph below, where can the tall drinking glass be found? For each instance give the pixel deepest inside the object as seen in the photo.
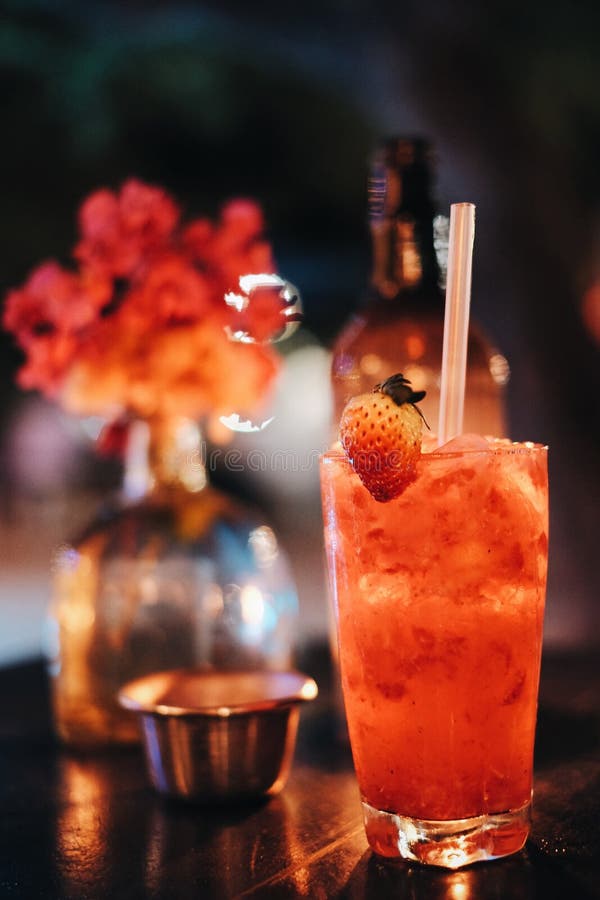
(439, 598)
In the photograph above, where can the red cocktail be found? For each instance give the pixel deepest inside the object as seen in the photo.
(440, 596)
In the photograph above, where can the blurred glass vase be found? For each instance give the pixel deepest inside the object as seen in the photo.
(177, 574)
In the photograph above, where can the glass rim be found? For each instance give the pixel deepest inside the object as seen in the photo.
(498, 447)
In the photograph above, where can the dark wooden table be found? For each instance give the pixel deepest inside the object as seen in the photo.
(89, 827)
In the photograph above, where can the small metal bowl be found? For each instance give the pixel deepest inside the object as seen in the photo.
(218, 736)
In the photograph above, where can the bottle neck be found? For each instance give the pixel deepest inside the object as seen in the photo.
(163, 454)
(403, 257)
(401, 220)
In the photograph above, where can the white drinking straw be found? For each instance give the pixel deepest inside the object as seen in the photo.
(456, 321)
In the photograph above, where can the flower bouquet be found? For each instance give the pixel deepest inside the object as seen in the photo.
(141, 326)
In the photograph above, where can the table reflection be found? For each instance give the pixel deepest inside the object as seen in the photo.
(83, 827)
(202, 847)
(498, 880)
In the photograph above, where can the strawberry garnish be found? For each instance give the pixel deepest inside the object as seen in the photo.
(381, 436)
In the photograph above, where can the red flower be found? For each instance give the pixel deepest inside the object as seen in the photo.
(235, 247)
(173, 291)
(263, 318)
(197, 371)
(54, 299)
(147, 211)
(49, 358)
(113, 438)
(244, 218)
(196, 238)
(119, 231)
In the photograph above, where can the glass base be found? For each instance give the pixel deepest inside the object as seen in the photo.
(450, 844)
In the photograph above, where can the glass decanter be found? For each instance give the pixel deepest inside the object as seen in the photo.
(175, 574)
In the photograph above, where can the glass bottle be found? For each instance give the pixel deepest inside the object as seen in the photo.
(400, 328)
(177, 574)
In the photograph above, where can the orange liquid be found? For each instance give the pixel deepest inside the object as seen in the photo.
(440, 598)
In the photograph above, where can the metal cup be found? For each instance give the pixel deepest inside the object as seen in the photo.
(218, 736)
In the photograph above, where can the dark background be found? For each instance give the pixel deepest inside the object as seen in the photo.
(283, 101)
